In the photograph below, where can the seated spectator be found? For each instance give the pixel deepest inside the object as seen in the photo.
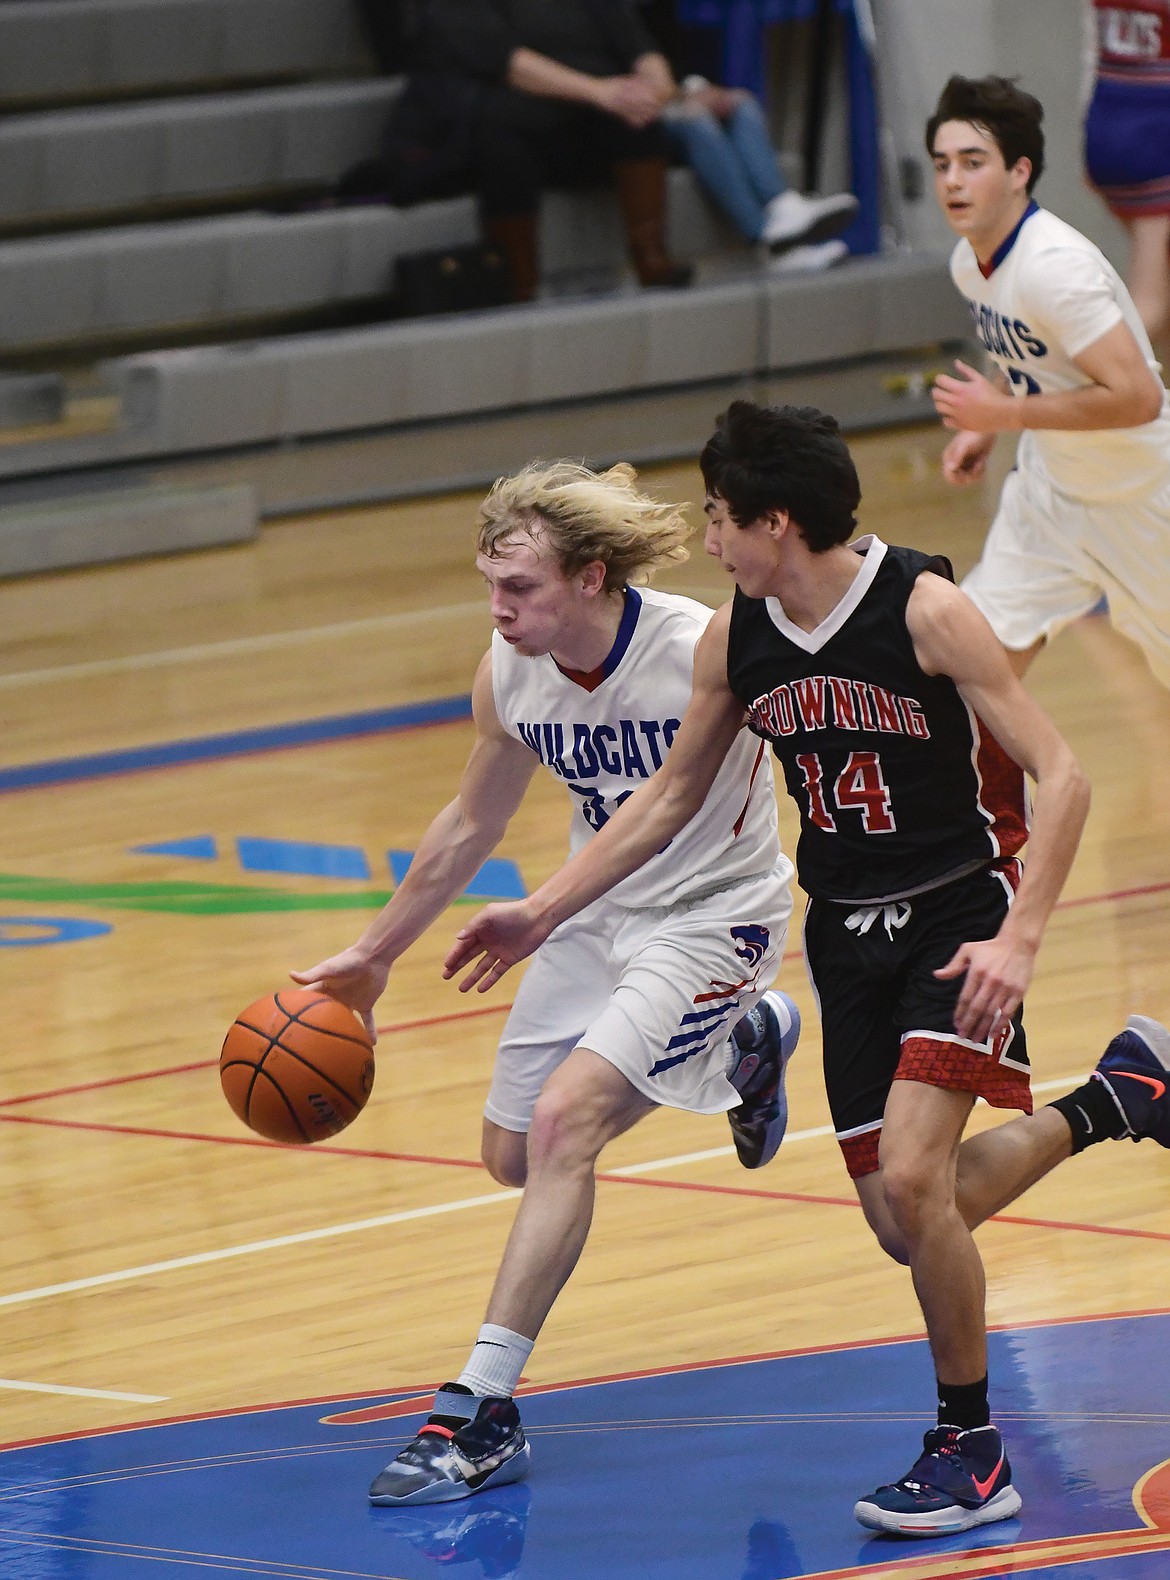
(552, 92)
(723, 135)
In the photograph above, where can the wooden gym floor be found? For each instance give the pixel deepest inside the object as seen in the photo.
(159, 1262)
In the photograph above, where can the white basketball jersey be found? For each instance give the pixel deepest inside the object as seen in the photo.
(1050, 295)
(604, 738)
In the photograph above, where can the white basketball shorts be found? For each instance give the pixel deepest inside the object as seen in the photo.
(1048, 559)
(655, 991)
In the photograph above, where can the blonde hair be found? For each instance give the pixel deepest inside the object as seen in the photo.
(586, 516)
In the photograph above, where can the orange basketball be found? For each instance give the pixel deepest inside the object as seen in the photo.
(297, 1066)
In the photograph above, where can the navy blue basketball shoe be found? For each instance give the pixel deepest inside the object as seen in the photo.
(1136, 1069)
(469, 1442)
(762, 1043)
(961, 1479)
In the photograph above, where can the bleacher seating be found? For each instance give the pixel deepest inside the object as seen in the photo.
(80, 164)
(162, 174)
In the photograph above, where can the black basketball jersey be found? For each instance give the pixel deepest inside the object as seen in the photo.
(899, 785)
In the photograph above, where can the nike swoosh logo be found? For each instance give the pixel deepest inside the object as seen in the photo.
(1087, 1120)
(1158, 1087)
(984, 1487)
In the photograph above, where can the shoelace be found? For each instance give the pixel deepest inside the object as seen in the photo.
(894, 914)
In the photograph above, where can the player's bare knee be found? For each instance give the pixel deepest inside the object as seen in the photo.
(563, 1132)
(910, 1195)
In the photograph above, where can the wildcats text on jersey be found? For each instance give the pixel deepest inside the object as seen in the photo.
(820, 702)
(632, 748)
(1002, 336)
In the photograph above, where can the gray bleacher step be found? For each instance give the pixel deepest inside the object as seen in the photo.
(87, 528)
(90, 49)
(135, 279)
(84, 162)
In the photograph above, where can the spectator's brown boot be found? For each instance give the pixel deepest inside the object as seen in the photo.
(641, 190)
(515, 236)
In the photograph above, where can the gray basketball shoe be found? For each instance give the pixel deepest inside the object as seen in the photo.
(469, 1442)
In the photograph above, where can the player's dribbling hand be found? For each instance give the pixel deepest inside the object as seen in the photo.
(972, 402)
(499, 936)
(965, 459)
(996, 974)
(353, 978)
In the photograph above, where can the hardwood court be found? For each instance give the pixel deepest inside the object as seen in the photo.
(134, 1260)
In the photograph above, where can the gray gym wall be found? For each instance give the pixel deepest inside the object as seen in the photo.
(1041, 42)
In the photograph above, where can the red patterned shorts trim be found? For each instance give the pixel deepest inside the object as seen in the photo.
(960, 1066)
(956, 1066)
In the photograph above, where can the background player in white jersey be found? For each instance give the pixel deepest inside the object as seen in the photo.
(1087, 509)
(655, 996)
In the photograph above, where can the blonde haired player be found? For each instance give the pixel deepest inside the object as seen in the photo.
(657, 994)
(1086, 511)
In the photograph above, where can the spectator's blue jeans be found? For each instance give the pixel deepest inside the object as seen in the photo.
(734, 159)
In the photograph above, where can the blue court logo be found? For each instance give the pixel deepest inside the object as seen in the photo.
(29, 932)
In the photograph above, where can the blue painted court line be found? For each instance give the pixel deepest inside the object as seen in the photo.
(235, 743)
(303, 858)
(497, 879)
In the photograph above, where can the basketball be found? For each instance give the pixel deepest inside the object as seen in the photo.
(297, 1066)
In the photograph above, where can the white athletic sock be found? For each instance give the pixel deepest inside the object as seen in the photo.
(495, 1364)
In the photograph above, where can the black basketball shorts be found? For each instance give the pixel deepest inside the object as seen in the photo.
(885, 1016)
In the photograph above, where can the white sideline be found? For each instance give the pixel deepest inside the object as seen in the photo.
(84, 1393)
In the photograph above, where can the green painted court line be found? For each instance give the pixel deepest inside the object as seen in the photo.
(184, 899)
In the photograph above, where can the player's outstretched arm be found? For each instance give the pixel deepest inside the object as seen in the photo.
(449, 854)
(952, 638)
(501, 935)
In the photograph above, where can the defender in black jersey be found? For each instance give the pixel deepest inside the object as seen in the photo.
(904, 736)
(902, 791)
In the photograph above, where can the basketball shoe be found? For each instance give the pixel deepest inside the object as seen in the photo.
(961, 1479)
(1136, 1069)
(762, 1043)
(469, 1442)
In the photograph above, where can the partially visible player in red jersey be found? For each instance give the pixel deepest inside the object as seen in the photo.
(902, 732)
(1127, 144)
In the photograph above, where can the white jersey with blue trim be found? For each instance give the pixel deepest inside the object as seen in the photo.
(604, 734)
(1050, 294)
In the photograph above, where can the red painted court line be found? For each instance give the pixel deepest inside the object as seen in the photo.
(110, 1080)
(208, 1064)
(234, 1141)
(798, 1197)
(1117, 894)
(417, 1393)
(454, 1015)
(440, 1020)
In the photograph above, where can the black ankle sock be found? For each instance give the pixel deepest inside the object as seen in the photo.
(1092, 1113)
(963, 1405)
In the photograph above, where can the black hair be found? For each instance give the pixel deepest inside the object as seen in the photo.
(997, 106)
(791, 458)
